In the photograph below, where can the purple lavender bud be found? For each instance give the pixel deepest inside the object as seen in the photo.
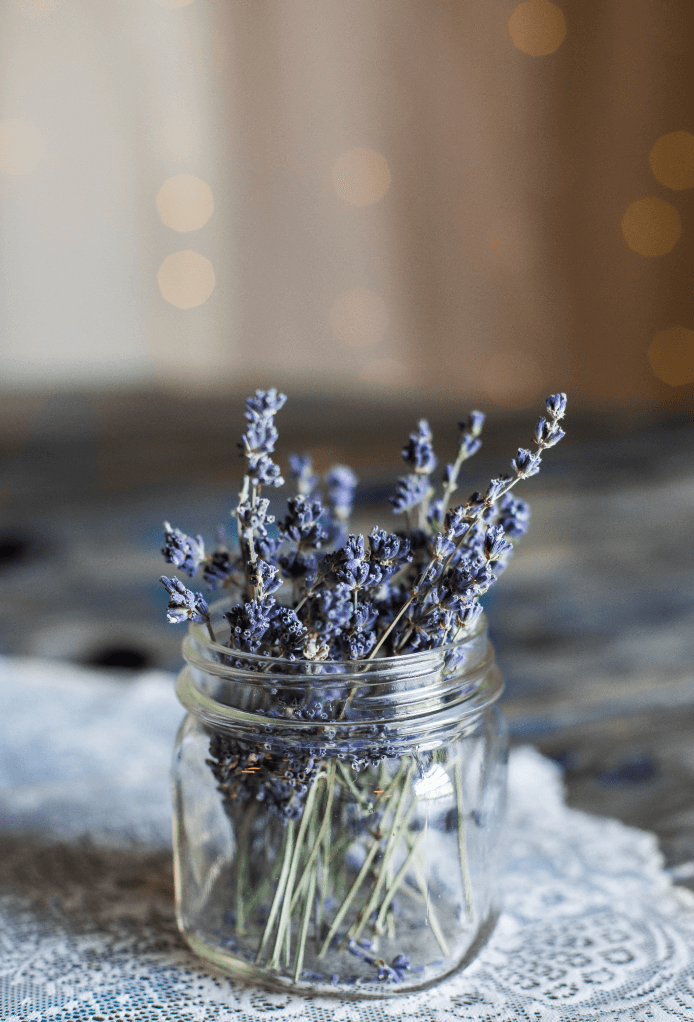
(252, 517)
(301, 471)
(419, 453)
(341, 482)
(217, 568)
(301, 523)
(265, 473)
(483, 578)
(495, 544)
(548, 434)
(514, 515)
(296, 565)
(526, 464)
(258, 441)
(266, 547)
(441, 547)
(184, 605)
(556, 405)
(455, 524)
(474, 424)
(263, 577)
(468, 615)
(402, 961)
(289, 633)
(184, 552)
(470, 445)
(249, 622)
(410, 491)
(357, 645)
(494, 489)
(364, 617)
(265, 403)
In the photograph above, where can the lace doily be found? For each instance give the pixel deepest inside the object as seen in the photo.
(592, 928)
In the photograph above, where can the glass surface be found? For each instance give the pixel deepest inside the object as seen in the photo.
(338, 827)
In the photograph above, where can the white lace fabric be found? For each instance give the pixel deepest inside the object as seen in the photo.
(592, 928)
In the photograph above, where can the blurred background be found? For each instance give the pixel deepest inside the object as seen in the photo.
(387, 210)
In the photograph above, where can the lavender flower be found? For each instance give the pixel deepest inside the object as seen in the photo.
(341, 482)
(556, 405)
(258, 442)
(184, 605)
(288, 633)
(217, 568)
(410, 491)
(514, 516)
(495, 543)
(389, 550)
(418, 452)
(249, 622)
(547, 434)
(263, 578)
(184, 552)
(301, 471)
(526, 464)
(301, 524)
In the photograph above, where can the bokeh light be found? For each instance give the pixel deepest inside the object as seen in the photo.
(672, 355)
(185, 203)
(186, 279)
(537, 27)
(38, 9)
(359, 317)
(386, 372)
(361, 177)
(672, 160)
(651, 226)
(21, 146)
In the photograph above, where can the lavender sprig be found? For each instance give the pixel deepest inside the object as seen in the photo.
(185, 605)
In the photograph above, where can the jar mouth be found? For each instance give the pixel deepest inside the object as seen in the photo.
(239, 691)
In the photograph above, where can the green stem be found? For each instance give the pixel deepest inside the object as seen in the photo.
(344, 907)
(431, 915)
(285, 914)
(395, 834)
(395, 884)
(325, 823)
(394, 838)
(286, 860)
(242, 869)
(462, 843)
(310, 894)
(257, 897)
(359, 796)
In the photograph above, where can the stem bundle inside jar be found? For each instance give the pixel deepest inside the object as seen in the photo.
(352, 872)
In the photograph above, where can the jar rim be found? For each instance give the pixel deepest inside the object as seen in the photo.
(231, 688)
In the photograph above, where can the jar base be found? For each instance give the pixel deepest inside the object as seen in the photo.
(363, 989)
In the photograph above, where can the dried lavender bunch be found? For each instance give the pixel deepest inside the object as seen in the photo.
(313, 591)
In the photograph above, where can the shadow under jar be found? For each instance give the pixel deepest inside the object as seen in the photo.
(338, 825)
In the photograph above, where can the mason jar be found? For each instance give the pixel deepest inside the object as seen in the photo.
(338, 826)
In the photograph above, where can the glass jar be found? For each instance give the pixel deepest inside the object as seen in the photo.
(338, 825)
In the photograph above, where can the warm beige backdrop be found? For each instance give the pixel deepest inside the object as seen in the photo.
(476, 198)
